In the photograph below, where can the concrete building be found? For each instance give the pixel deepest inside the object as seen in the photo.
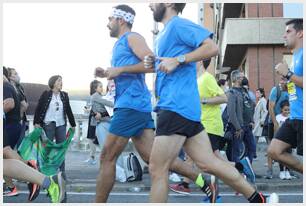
(249, 37)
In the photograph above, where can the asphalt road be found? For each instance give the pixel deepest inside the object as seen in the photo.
(143, 197)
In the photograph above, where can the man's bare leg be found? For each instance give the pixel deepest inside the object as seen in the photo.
(9, 153)
(144, 146)
(165, 150)
(278, 151)
(113, 147)
(213, 165)
(18, 170)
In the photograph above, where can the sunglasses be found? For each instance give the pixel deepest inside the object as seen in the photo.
(57, 106)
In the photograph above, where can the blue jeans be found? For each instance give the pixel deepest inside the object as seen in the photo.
(57, 133)
(233, 151)
(13, 133)
(102, 130)
(250, 143)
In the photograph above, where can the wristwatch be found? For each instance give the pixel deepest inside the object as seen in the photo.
(289, 75)
(204, 101)
(181, 59)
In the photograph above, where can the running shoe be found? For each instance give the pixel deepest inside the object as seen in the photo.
(210, 188)
(269, 174)
(287, 174)
(282, 175)
(57, 188)
(179, 188)
(248, 170)
(174, 177)
(273, 198)
(206, 199)
(34, 189)
(9, 192)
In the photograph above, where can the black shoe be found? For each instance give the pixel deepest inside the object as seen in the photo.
(210, 188)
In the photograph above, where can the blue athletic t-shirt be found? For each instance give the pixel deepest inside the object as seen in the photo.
(131, 89)
(178, 91)
(295, 92)
(273, 98)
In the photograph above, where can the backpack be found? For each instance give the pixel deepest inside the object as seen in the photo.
(248, 107)
(132, 167)
(225, 118)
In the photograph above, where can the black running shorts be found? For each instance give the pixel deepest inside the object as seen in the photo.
(215, 141)
(291, 132)
(169, 123)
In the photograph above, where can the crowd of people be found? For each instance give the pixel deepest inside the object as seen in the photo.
(197, 116)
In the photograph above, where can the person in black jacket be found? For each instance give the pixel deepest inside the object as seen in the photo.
(14, 79)
(51, 111)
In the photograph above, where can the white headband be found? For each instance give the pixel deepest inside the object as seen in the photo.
(127, 16)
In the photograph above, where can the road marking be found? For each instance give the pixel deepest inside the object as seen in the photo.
(170, 194)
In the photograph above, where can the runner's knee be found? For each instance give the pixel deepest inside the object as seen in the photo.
(273, 152)
(107, 155)
(156, 168)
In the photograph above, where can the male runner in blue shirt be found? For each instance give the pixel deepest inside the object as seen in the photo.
(178, 47)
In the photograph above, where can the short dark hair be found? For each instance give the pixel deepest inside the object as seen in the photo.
(52, 80)
(284, 103)
(297, 24)
(93, 86)
(128, 9)
(262, 91)
(221, 82)
(179, 7)
(206, 63)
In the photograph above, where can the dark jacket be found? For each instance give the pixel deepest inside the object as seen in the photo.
(43, 105)
(235, 107)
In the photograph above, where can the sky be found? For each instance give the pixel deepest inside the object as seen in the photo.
(293, 10)
(69, 39)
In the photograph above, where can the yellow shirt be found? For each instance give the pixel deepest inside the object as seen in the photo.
(211, 116)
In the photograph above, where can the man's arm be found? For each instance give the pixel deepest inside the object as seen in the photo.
(206, 50)
(231, 110)
(23, 107)
(220, 99)
(102, 101)
(282, 69)
(297, 80)
(8, 104)
(140, 48)
(272, 114)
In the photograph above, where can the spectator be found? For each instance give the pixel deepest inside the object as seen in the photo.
(51, 111)
(277, 95)
(91, 131)
(281, 118)
(260, 113)
(15, 81)
(12, 126)
(245, 84)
